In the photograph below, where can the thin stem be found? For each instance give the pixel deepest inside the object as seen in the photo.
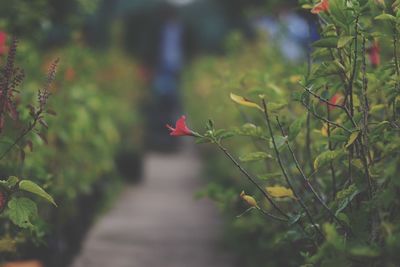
(20, 137)
(365, 106)
(353, 74)
(298, 197)
(272, 216)
(307, 182)
(308, 141)
(323, 119)
(332, 169)
(251, 179)
(326, 101)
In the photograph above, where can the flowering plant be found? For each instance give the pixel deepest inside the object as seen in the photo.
(326, 170)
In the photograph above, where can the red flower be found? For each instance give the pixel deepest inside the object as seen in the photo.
(180, 128)
(322, 6)
(69, 74)
(3, 40)
(374, 55)
(336, 99)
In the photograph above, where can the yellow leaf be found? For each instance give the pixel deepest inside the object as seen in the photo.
(352, 138)
(7, 244)
(324, 129)
(279, 191)
(248, 199)
(244, 102)
(295, 79)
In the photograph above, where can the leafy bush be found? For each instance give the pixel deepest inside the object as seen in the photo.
(327, 158)
(94, 113)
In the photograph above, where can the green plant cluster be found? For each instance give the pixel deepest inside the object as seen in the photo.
(318, 145)
(69, 152)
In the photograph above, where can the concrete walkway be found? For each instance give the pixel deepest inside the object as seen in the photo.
(158, 223)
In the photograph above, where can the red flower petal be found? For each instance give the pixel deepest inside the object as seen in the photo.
(374, 54)
(322, 6)
(336, 99)
(180, 128)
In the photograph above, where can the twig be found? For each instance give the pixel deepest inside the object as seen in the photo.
(251, 179)
(298, 197)
(353, 74)
(308, 183)
(326, 101)
(330, 147)
(323, 119)
(308, 141)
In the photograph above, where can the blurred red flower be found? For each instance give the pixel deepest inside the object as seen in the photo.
(181, 128)
(322, 6)
(3, 42)
(69, 74)
(336, 99)
(374, 55)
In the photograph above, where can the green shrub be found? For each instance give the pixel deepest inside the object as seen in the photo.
(326, 147)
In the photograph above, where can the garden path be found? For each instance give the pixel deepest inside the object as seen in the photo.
(158, 223)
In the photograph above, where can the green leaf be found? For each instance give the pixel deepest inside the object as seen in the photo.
(326, 157)
(295, 128)
(328, 42)
(344, 218)
(275, 107)
(267, 176)
(250, 129)
(12, 181)
(385, 16)
(345, 196)
(332, 236)
(279, 141)
(294, 219)
(255, 156)
(21, 210)
(33, 188)
(377, 108)
(364, 251)
(352, 138)
(202, 140)
(344, 40)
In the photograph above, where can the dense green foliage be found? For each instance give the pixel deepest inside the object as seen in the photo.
(88, 114)
(318, 145)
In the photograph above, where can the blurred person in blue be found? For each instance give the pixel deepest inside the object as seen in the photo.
(290, 31)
